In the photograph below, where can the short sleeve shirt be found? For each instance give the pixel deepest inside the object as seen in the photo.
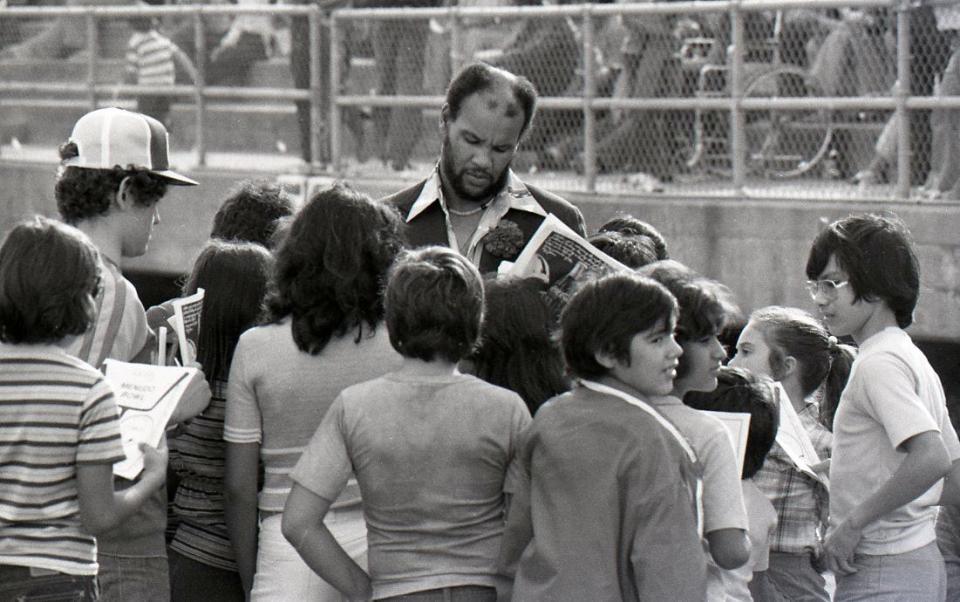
(892, 395)
(56, 412)
(430, 456)
(723, 506)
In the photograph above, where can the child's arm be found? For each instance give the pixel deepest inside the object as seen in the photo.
(240, 506)
(102, 508)
(303, 527)
(926, 462)
(730, 548)
(194, 400)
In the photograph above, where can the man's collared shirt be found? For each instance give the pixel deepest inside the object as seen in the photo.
(800, 501)
(514, 195)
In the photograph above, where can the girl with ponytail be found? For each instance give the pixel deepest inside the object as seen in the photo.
(793, 348)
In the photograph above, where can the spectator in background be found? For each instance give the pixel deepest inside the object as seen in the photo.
(63, 37)
(545, 51)
(300, 69)
(399, 47)
(151, 60)
(945, 123)
(232, 43)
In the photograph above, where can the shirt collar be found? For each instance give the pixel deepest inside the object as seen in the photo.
(515, 195)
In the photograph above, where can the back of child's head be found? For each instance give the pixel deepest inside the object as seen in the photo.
(518, 349)
(434, 305)
(605, 314)
(252, 213)
(705, 305)
(49, 275)
(331, 266)
(877, 253)
(742, 391)
(145, 23)
(627, 225)
(234, 277)
(821, 360)
(632, 251)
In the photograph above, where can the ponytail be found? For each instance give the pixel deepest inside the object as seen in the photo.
(841, 360)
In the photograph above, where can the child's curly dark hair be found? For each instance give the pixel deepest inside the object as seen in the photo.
(83, 193)
(331, 267)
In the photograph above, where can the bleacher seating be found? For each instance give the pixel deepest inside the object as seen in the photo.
(262, 126)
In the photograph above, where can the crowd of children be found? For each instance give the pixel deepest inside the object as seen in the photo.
(380, 422)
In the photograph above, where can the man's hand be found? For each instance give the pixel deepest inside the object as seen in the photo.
(839, 547)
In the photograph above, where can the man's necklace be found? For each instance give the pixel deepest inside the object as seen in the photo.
(473, 211)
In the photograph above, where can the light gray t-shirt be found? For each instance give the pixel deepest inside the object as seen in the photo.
(277, 395)
(430, 455)
(892, 395)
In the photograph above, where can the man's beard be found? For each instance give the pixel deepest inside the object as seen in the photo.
(455, 180)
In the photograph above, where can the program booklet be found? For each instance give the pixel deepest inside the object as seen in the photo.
(738, 427)
(186, 323)
(147, 396)
(563, 259)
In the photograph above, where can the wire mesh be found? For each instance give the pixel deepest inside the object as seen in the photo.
(661, 88)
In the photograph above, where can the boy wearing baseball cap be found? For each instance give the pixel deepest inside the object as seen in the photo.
(114, 172)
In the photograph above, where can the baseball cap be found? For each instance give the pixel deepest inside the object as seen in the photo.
(109, 137)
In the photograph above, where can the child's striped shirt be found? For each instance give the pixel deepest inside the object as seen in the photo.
(55, 412)
(150, 59)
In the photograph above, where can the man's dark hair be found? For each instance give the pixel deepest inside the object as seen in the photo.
(434, 305)
(742, 391)
(83, 193)
(605, 314)
(47, 270)
(331, 266)
(478, 77)
(876, 251)
(251, 213)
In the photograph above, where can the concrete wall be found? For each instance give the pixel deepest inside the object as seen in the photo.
(757, 248)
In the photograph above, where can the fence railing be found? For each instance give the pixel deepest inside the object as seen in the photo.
(738, 116)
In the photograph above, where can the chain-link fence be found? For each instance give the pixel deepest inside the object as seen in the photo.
(816, 99)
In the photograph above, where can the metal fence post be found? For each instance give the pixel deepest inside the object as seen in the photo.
(336, 124)
(902, 92)
(91, 22)
(200, 43)
(456, 40)
(316, 118)
(589, 93)
(737, 134)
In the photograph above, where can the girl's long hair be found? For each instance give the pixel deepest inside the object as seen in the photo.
(234, 276)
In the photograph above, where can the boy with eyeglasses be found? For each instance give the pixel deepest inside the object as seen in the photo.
(893, 441)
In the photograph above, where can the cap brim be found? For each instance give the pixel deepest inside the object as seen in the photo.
(174, 178)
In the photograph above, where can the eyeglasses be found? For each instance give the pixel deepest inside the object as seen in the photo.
(828, 288)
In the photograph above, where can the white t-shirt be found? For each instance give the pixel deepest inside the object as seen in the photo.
(763, 521)
(892, 395)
